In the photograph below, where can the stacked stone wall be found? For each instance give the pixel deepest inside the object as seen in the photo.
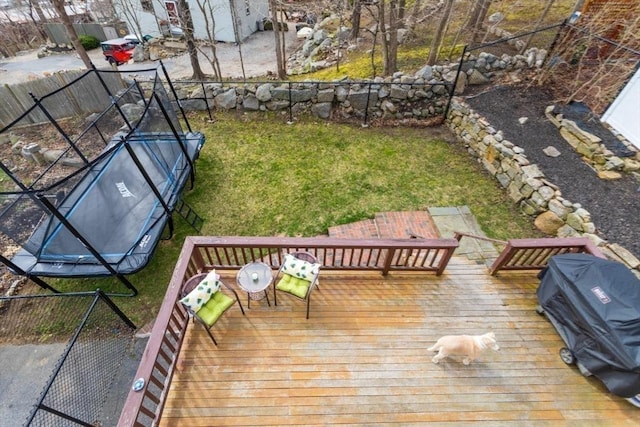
(525, 184)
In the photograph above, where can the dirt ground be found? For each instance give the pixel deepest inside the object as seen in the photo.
(613, 204)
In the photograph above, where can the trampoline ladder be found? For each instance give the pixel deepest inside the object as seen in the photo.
(189, 215)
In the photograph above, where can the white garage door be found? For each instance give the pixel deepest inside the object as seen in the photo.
(624, 113)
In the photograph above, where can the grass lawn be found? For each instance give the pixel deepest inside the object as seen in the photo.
(258, 176)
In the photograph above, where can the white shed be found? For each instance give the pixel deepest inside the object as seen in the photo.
(623, 114)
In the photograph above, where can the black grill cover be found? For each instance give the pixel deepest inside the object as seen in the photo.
(595, 305)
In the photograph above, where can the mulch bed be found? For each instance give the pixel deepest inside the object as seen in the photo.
(613, 205)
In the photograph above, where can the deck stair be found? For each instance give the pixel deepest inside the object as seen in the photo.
(432, 223)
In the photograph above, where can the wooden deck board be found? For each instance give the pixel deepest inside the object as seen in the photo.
(361, 358)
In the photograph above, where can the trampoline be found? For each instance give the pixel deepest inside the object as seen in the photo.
(106, 217)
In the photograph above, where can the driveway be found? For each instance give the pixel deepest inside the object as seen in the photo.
(258, 58)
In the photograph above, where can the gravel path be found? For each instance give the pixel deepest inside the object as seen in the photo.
(614, 205)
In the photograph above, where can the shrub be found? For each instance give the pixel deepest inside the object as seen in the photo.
(89, 42)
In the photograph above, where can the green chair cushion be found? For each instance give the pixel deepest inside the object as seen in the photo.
(293, 285)
(213, 309)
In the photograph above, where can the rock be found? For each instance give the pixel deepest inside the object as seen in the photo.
(251, 103)
(322, 110)
(461, 83)
(523, 120)
(551, 151)
(548, 222)
(304, 33)
(226, 100)
(263, 92)
(609, 175)
(425, 72)
(625, 256)
(477, 78)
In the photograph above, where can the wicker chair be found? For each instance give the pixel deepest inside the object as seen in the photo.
(297, 276)
(212, 306)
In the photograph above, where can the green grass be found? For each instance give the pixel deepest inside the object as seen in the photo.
(258, 176)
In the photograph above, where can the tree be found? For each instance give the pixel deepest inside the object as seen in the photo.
(355, 19)
(389, 34)
(71, 32)
(477, 17)
(207, 9)
(131, 12)
(280, 49)
(187, 27)
(437, 38)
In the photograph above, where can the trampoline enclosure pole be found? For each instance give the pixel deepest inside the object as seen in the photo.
(147, 178)
(175, 96)
(183, 144)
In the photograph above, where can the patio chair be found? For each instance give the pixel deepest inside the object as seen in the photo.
(297, 276)
(204, 300)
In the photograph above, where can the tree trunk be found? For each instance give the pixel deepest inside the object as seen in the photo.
(383, 36)
(281, 71)
(391, 65)
(71, 32)
(413, 16)
(187, 26)
(477, 17)
(437, 39)
(540, 20)
(355, 19)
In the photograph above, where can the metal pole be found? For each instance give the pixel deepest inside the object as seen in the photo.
(366, 107)
(149, 181)
(183, 144)
(290, 104)
(455, 82)
(175, 96)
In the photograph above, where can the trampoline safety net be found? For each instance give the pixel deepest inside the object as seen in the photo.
(110, 166)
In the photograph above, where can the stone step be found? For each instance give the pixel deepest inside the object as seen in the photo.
(448, 220)
(432, 223)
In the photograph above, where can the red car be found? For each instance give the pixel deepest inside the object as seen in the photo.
(118, 51)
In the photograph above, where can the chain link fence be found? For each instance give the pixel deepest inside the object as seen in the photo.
(89, 382)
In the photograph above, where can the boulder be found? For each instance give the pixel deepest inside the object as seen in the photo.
(549, 223)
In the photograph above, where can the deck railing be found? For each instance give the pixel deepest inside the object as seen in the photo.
(145, 402)
(533, 254)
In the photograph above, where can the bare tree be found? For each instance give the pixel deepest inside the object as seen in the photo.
(207, 9)
(131, 14)
(187, 26)
(356, 12)
(437, 38)
(280, 60)
(389, 34)
(71, 32)
(477, 17)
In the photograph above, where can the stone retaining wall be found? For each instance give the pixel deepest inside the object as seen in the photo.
(525, 184)
(422, 95)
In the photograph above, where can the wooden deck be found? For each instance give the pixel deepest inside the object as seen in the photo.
(361, 358)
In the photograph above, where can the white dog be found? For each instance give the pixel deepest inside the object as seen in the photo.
(469, 346)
